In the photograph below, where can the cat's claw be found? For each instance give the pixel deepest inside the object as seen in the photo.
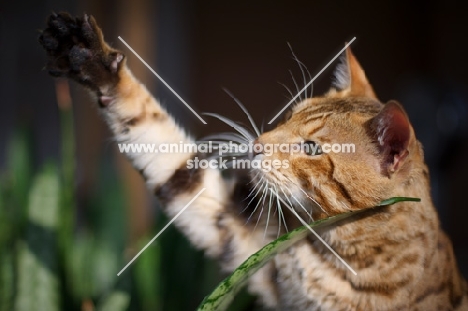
(76, 49)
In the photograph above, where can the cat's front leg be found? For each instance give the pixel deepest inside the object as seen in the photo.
(76, 49)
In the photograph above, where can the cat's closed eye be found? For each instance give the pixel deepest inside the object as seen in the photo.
(411, 268)
(311, 148)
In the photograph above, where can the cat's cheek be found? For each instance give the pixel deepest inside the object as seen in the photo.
(377, 167)
(373, 163)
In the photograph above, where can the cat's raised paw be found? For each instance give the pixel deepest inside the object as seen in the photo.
(76, 49)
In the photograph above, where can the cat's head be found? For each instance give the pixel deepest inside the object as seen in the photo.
(370, 146)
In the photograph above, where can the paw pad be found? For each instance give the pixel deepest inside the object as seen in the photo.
(76, 49)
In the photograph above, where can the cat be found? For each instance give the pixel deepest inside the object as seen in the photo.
(403, 260)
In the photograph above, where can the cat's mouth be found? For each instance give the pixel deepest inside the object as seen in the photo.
(267, 180)
(274, 191)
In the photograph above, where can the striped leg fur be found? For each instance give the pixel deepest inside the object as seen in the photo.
(76, 49)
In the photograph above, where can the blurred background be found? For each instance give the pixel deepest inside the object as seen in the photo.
(72, 210)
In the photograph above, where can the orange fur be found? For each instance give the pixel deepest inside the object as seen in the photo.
(403, 259)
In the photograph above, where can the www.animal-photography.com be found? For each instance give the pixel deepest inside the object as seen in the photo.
(246, 156)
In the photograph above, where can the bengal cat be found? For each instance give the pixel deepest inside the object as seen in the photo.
(402, 258)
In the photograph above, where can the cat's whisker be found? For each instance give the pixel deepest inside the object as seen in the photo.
(303, 67)
(262, 188)
(216, 148)
(254, 126)
(254, 178)
(256, 184)
(291, 208)
(278, 206)
(307, 195)
(303, 208)
(284, 220)
(300, 204)
(297, 200)
(286, 196)
(230, 141)
(216, 144)
(319, 205)
(302, 190)
(260, 215)
(256, 194)
(280, 213)
(289, 91)
(315, 201)
(297, 86)
(264, 193)
(300, 67)
(318, 236)
(268, 216)
(416, 258)
(227, 136)
(244, 132)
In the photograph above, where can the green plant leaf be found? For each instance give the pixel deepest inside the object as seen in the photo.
(67, 194)
(7, 279)
(147, 276)
(19, 163)
(38, 284)
(116, 301)
(397, 199)
(223, 295)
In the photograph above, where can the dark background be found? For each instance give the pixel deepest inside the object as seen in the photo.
(414, 52)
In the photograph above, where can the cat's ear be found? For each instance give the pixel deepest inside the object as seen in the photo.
(392, 130)
(350, 79)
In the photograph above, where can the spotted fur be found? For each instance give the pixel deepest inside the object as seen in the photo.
(402, 258)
